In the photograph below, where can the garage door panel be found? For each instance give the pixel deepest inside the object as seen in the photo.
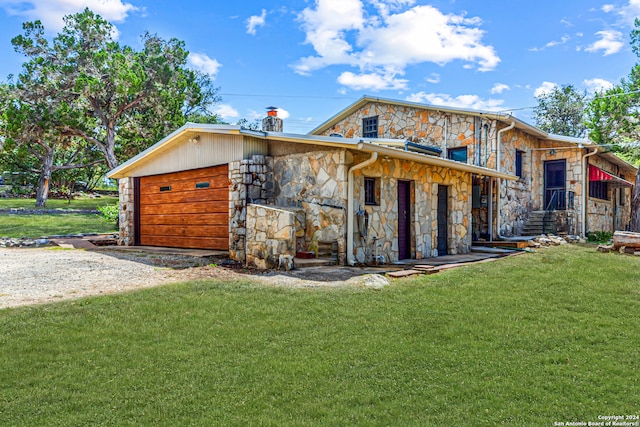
(184, 208)
(187, 185)
(200, 195)
(191, 211)
(186, 242)
(190, 219)
(217, 171)
(185, 231)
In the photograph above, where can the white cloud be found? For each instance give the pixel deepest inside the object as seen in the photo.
(499, 88)
(372, 81)
(470, 102)
(433, 78)
(256, 21)
(51, 12)
(626, 14)
(202, 62)
(562, 40)
(545, 88)
(282, 113)
(341, 33)
(597, 85)
(606, 8)
(226, 111)
(610, 42)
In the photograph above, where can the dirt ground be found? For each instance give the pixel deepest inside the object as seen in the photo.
(41, 275)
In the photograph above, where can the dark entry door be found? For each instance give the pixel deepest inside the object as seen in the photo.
(443, 216)
(404, 219)
(555, 191)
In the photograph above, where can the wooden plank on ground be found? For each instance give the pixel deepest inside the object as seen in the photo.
(403, 273)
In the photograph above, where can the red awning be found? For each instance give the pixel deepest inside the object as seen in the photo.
(597, 174)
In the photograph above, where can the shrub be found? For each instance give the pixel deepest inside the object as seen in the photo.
(599, 236)
(110, 212)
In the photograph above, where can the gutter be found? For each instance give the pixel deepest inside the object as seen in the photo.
(350, 214)
(499, 181)
(585, 191)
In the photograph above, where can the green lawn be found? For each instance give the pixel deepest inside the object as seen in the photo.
(35, 226)
(39, 225)
(525, 341)
(79, 203)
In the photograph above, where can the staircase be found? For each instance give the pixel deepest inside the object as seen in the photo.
(540, 222)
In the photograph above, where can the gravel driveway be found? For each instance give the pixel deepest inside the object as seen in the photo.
(31, 276)
(40, 275)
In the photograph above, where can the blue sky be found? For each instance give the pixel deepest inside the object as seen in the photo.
(313, 58)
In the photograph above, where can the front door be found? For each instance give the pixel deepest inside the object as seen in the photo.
(555, 183)
(404, 219)
(443, 217)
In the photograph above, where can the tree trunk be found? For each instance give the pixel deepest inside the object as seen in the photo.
(627, 239)
(110, 147)
(45, 177)
(635, 205)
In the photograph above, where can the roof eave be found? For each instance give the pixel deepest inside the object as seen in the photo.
(167, 141)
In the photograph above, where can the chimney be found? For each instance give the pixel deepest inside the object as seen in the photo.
(272, 123)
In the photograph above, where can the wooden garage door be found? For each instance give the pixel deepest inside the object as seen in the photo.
(188, 209)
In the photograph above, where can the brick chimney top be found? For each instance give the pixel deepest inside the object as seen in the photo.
(272, 123)
(272, 111)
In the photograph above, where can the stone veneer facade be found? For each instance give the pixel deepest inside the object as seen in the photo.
(271, 234)
(126, 219)
(517, 199)
(425, 181)
(250, 181)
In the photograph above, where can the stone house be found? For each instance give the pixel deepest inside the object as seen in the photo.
(381, 181)
(564, 185)
(266, 196)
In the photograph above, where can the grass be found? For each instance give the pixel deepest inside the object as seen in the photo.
(79, 203)
(530, 340)
(55, 224)
(35, 226)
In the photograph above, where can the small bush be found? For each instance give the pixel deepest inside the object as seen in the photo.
(599, 236)
(110, 212)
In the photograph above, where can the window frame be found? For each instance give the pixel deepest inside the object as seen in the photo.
(370, 127)
(371, 191)
(518, 164)
(451, 152)
(599, 190)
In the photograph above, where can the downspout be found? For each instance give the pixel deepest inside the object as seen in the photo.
(498, 180)
(585, 191)
(350, 213)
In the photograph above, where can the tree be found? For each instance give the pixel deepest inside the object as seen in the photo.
(561, 112)
(613, 120)
(33, 107)
(113, 97)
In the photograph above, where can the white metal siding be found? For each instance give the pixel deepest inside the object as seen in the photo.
(210, 150)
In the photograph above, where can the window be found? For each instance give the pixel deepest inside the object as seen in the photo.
(167, 188)
(202, 185)
(370, 127)
(371, 191)
(599, 190)
(519, 163)
(457, 154)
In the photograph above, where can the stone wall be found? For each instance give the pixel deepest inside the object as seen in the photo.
(428, 127)
(316, 181)
(270, 236)
(250, 181)
(424, 220)
(126, 220)
(610, 215)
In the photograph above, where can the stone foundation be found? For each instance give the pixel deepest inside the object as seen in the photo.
(270, 237)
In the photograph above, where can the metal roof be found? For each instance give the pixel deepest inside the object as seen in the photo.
(358, 144)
